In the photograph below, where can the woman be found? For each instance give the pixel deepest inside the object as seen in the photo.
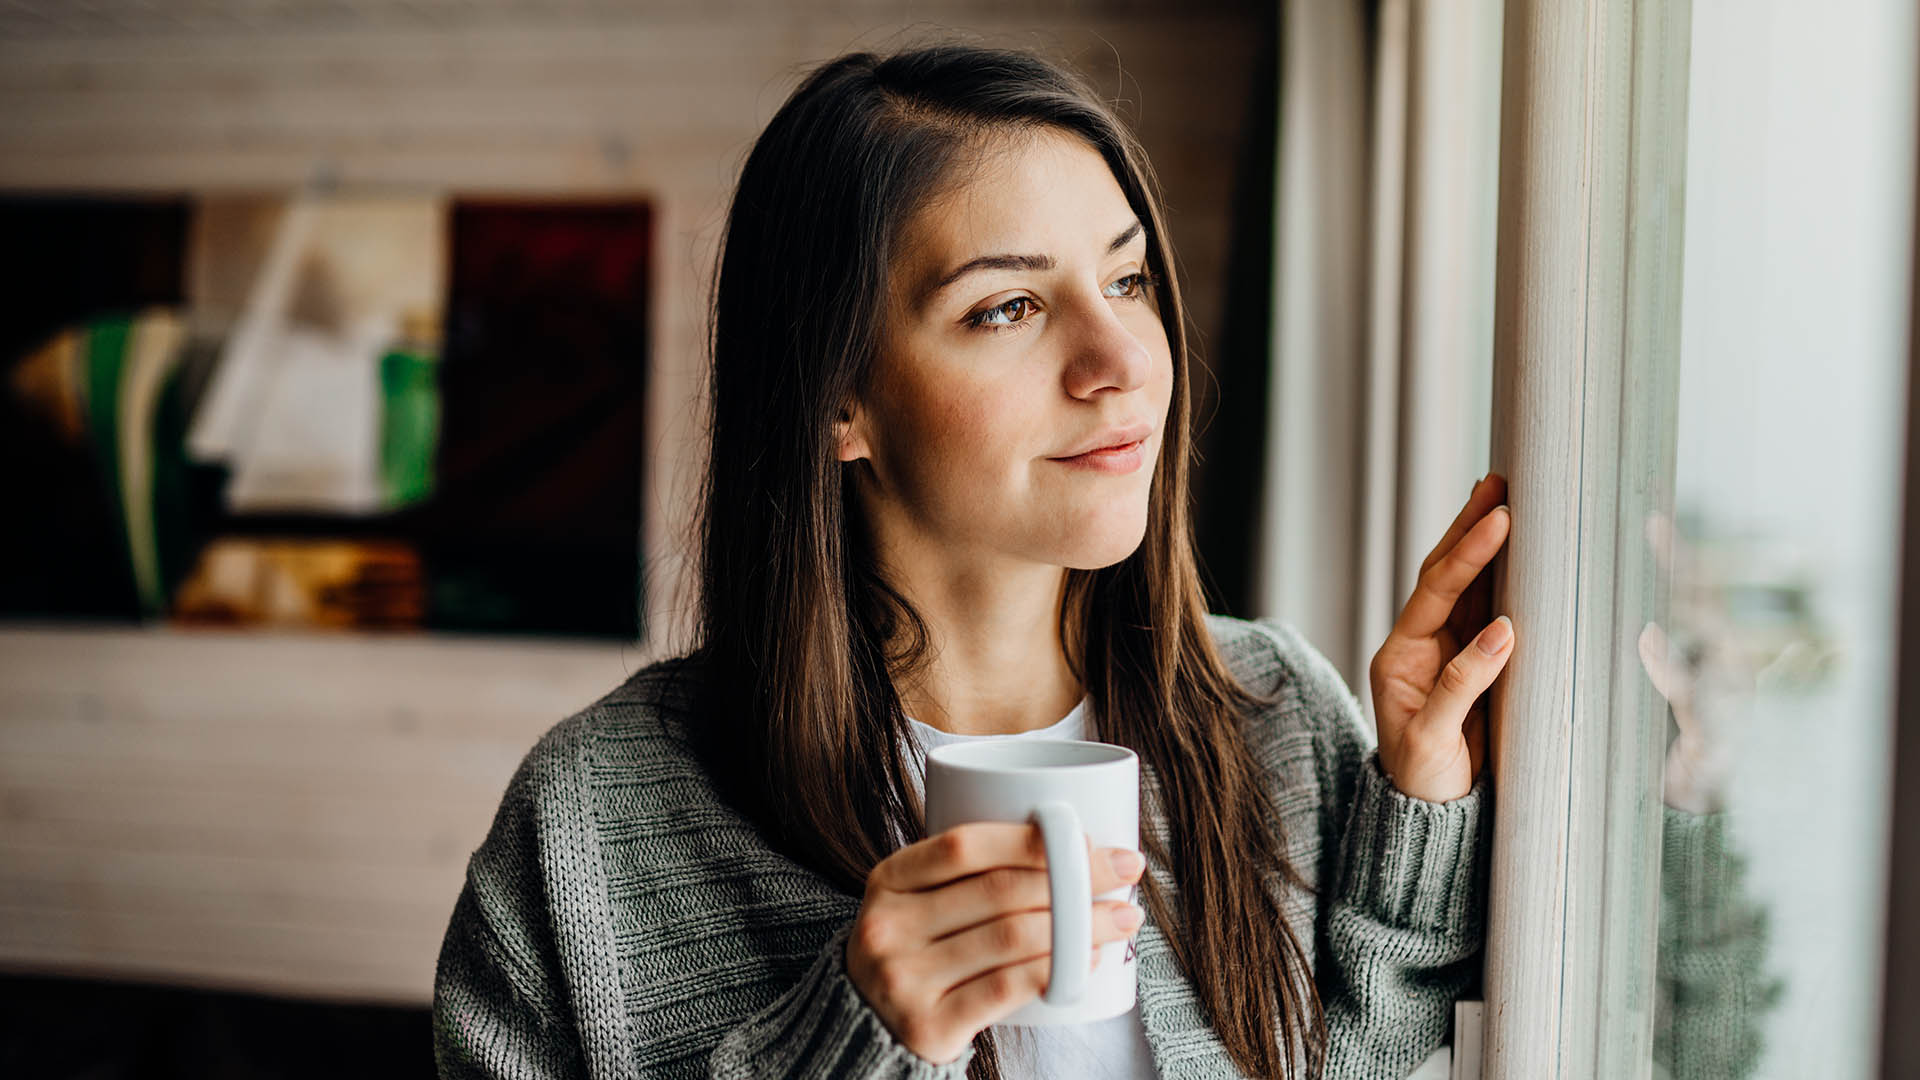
(947, 498)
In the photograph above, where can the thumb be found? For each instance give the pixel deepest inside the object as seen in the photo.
(1468, 674)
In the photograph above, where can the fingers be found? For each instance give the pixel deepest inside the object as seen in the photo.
(968, 906)
(1442, 582)
(1652, 647)
(978, 847)
(991, 997)
(1466, 677)
(1668, 680)
(1488, 492)
(1018, 955)
(1021, 936)
(984, 896)
(958, 852)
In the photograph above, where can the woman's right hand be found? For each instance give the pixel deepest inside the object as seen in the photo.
(955, 932)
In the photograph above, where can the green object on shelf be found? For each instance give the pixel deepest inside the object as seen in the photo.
(131, 390)
(410, 423)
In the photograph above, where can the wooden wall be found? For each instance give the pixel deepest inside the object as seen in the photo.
(282, 812)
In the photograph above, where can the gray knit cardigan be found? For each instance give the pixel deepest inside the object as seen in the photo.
(620, 920)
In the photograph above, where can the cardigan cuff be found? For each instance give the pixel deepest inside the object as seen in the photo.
(1699, 877)
(823, 1028)
(1414, 864)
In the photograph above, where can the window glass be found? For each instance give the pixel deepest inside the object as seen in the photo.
(1780, 538)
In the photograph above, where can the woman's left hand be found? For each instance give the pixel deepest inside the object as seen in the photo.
(1442, 656)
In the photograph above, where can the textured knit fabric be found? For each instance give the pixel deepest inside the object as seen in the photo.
(620, 920)
(1713, 992)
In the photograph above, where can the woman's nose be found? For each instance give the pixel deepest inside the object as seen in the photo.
(1106, 355)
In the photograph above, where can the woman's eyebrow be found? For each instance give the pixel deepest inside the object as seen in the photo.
(1019, 262)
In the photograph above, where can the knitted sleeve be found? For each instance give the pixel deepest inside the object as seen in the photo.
(487, 1022)
(498, 1012)
(1403, 925)
(1711, 990)
(822, 1028)
(1402, 904)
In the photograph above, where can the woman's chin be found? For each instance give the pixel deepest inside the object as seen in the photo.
(1103, 548)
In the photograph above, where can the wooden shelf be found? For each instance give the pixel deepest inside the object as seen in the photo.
(288, 813)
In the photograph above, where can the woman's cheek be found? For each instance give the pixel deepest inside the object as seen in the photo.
(977, 433)
(952, 440)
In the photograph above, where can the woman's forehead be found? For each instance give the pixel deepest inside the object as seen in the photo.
(1048, 197)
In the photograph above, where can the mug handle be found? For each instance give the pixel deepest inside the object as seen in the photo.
(1070, 890)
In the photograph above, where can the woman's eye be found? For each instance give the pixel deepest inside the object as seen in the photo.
(986, 319)
(1013, 313)
(1136, 285)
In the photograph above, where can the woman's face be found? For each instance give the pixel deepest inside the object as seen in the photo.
(1018, 403)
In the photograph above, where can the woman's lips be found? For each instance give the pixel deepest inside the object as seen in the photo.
(1123, 458)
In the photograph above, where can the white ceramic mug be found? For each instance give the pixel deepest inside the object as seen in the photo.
(1077, 792)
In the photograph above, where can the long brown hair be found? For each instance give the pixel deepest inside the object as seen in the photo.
(801, 637)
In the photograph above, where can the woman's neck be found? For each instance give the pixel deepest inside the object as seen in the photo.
(995, 663)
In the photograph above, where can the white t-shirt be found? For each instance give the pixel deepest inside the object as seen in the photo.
(1112, 1049)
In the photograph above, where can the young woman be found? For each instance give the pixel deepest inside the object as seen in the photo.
(947, 499)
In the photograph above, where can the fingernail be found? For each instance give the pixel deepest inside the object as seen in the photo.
(1495, 637)
(1129, 918)
(1126, 863)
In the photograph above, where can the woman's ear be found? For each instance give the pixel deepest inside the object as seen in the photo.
(849, 433)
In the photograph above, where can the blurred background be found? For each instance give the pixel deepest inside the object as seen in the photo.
(353, 357)
(353, 361)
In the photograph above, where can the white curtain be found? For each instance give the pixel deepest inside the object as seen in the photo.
(1383, 308)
